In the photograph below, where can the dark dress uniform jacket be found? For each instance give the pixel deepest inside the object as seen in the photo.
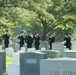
(29, 41)
(68, 42)
(37, 40)
(52, 39)
(6, 39)
(22, 39)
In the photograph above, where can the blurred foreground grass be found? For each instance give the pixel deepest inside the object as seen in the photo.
(8, 61)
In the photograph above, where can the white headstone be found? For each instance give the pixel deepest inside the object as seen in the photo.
(13, 69)
(16, 47)
(51, 53)
(16, 58)
(31, 49)
(44, 44)
(58, 66)
(70, 53)
(23, 49)
(0, 47)
(9, 51)
(25, 46)
(58, 46)
(43, 48)
(20, 51)
(73, 45)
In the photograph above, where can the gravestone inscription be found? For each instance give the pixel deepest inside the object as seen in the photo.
(30, 63)
(58, 66)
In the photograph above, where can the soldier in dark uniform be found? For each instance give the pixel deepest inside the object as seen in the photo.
(29, 39)
(22, 39)
(51, 39)
(67, 40)
(37, 41)
(6, 39)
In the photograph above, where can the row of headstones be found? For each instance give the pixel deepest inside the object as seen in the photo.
(51, 53)
(36, 63)
(42, 44)
(57, 46)
(45, 44)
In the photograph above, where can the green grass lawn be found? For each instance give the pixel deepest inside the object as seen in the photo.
(8, 61)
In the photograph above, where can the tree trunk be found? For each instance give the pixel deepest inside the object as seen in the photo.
(44, 32)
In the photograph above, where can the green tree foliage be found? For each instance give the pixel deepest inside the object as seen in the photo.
(53, 14)
(47, 15)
